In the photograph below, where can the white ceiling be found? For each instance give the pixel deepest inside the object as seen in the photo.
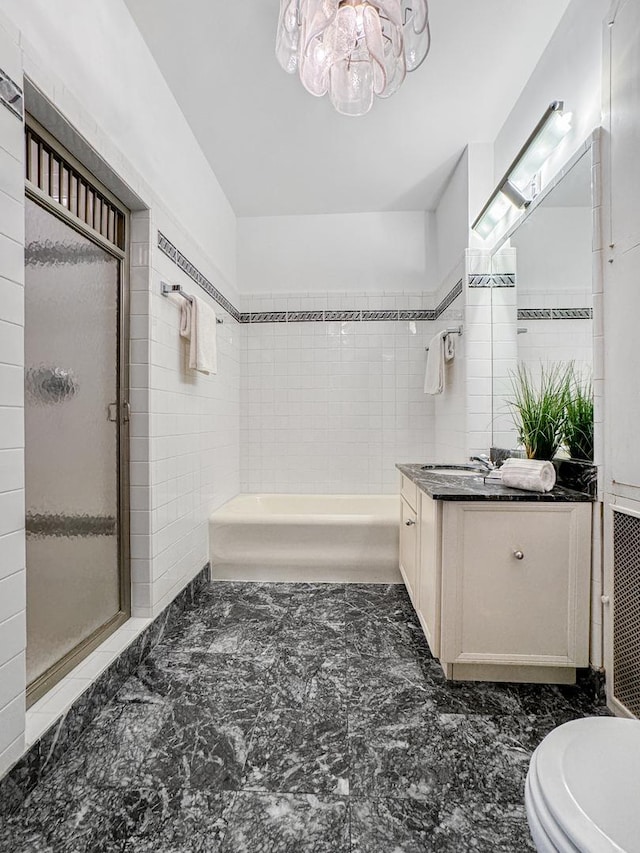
(277, 150)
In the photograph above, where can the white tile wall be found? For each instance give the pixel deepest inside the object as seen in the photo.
(185, 457)
(185, 427)
(450, 407)
(330, 407)
(12, 549)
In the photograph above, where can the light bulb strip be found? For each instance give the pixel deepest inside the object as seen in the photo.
(507, 189)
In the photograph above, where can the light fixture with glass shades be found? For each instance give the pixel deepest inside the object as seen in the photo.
(352, 49)
(516, 188)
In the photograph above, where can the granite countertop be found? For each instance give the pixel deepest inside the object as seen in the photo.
(448, 487)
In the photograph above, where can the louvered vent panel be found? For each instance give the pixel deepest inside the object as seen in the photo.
(58, 179)
(626, 627)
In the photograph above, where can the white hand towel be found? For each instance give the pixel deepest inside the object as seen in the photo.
(441, 350)
(532, 475)
(198, 325)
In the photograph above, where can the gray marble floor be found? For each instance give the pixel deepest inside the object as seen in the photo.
(297, 718)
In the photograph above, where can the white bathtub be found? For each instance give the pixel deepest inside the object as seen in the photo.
(308, 538)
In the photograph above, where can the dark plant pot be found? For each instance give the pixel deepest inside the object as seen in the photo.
(577, 474)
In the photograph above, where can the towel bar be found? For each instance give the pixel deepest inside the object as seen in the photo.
(168, 289)
(456, 331)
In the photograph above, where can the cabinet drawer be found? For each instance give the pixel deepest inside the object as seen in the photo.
(515, 584)
(409, 492)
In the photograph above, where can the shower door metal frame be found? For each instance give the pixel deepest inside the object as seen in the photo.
(46, 680)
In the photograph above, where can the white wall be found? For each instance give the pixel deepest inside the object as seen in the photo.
(450, 437)
(376, 252)
(570, 69)
(12, 548)
(91, 63)
(103, 65)
(452, 219)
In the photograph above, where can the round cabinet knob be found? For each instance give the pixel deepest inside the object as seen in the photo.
(409, 523)
(519, 555)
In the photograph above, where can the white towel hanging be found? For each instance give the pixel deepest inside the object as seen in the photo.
(198, 325)
(442, 349)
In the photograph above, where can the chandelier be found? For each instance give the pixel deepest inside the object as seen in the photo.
(352, 49)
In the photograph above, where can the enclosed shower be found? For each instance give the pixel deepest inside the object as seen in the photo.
(75, 413)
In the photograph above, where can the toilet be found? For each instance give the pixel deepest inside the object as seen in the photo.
(583, 788)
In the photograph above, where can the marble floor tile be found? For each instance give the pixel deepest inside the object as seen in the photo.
(310, 636)
(385, 825)
(308, 681)
(297, 718)
(483, 828)
(321, 602)
(287, 823)
(298, 751)
(382, 689)
(422, 756)
(121, 820)
(198, 748)
(376, 636)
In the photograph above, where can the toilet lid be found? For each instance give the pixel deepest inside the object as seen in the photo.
(588, 772)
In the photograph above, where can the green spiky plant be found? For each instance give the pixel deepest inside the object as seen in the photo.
(578, 425)
(539, 408)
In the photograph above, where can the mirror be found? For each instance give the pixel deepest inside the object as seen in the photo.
(541, 293)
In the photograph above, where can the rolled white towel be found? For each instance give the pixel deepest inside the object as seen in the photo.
(532, 475)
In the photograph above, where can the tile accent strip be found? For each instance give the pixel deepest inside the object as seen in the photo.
(358, 316)
(501, 279)
(352, 316)
(11, 95)
(453, 294)
(167, 247)
(555, 313)
(43, 755)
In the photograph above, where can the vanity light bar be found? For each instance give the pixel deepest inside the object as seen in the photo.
(545, 137)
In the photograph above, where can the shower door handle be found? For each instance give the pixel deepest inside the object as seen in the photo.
(113, 412)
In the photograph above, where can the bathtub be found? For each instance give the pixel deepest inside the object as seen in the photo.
(307, 538)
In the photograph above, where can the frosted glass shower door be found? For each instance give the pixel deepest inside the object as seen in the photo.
(72, 288)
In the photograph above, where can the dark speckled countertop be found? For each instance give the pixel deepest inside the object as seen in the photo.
(448, 487)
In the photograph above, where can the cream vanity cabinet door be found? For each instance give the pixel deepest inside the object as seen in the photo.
(409, 547)
(428, 578)
(516, 584)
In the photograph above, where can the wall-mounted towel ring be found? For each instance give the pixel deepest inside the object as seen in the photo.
(168, 289)
(456, 331)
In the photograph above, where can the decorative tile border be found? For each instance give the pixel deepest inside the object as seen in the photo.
(11, 95)
(167, 247)
(301, 316)
(453, 294)
(352, 316)
(384, 315)
(43, 755)
(534, 313)
(555, 313)
(500, 279)
(244, 317)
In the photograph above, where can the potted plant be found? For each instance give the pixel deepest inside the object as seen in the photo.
(578, 424)
(539, 408)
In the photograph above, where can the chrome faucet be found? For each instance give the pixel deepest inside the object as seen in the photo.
(484, 460)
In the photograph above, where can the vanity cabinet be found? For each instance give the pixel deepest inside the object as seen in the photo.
(501, 588)
(409, 547)
(515, 589)
(428, 580)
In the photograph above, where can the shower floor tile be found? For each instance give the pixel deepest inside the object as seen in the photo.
(286, 718)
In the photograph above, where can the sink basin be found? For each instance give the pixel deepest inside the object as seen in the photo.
(454, 470)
